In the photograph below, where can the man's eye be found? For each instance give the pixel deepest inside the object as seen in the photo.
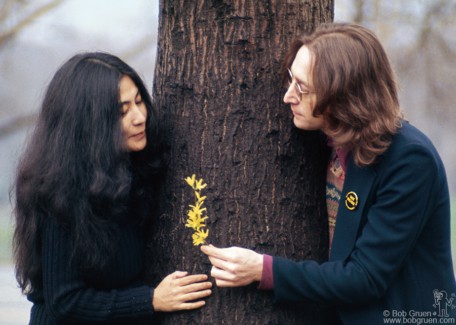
(303, 90)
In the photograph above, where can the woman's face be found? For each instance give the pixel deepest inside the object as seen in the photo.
(133, 115)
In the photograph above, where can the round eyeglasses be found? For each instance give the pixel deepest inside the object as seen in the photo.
(301, 91)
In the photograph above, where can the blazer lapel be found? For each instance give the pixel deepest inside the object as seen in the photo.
(358, 183)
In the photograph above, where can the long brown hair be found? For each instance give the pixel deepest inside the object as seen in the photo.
(355, 88)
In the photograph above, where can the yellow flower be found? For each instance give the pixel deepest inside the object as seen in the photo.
(195, 221)
(199, 237)
(199, 197)
(199, 185)
(191, 181)
(196, 209)
(195, 213)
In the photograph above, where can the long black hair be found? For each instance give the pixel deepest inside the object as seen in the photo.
(75, 168)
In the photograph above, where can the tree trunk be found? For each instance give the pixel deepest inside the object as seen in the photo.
(217, 82)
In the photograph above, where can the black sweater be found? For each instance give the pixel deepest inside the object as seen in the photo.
(69, 296)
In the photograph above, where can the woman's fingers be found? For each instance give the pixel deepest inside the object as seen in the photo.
(192, 305)
(191, 283)
(195, 287)
(178, 274)
(189, 279)
(194, 295)
(179, 291)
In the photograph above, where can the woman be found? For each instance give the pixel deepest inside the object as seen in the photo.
(387, 193)
(82, 209)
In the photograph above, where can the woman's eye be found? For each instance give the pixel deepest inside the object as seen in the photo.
(138, 101)
(123, 111)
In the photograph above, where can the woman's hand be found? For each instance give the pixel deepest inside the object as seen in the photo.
(178, 291)
(234, 266)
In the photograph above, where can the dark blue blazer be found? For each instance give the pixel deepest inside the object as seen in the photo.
(391, 254)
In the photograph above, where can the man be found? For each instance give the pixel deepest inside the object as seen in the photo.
(387, 193)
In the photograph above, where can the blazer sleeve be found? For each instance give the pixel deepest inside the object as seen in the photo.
(66, 295)
(403, 201)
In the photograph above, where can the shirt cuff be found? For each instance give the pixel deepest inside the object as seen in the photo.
(267, 278)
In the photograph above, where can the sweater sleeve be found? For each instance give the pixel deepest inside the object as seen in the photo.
(68, 297)
(267, 278)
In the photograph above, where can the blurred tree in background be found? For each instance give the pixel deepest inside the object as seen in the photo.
(420, 37)
(15, 15)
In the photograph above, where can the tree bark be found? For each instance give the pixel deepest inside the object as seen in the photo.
(217, 83)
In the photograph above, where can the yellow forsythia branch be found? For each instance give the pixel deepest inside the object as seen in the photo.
(195, 218)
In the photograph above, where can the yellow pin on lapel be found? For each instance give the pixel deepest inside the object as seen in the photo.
(351, 200)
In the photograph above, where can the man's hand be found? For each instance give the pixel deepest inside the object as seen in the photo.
(234, 266)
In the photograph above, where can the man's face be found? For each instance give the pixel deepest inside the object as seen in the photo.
(301, 94)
